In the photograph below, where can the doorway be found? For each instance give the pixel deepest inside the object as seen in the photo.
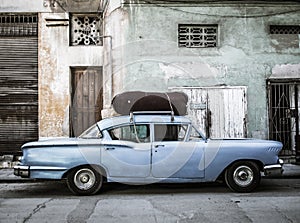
(86, 98)
(284, 107)
(220, 112)
(18, 81)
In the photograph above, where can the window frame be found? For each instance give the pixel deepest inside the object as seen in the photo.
(198, 25)
(129, 125)
(177, 124)
(273, 27)
(191, 138)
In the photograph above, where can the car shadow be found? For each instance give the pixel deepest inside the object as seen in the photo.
(40, 189)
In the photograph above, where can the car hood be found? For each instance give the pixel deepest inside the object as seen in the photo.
(241, 141)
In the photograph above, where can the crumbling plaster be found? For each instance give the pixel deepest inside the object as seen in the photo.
(149, 58)
(24, 6)
(55, 59)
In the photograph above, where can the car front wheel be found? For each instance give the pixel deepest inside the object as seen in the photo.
(242, 176)
(84, 181)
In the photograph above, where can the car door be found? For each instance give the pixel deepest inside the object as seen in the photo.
(128, 153)
(175, 153)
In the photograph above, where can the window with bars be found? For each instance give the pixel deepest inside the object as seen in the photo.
(197, 35)
(18, 25)
(86, 30)
(284, 29)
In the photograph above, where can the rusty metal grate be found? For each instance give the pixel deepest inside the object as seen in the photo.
(197, 36)
(283, 29)
(86, 30)
(18, 25)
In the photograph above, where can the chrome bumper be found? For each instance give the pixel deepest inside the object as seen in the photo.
(275, 169)
(22, 171)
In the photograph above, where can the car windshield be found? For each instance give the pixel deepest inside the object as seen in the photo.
(91, 133)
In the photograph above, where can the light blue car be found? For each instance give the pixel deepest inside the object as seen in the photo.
(149, 147)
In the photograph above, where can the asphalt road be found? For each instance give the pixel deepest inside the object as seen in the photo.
(276, 200)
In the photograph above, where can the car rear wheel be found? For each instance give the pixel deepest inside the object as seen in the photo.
(242, 176)
(84, 181)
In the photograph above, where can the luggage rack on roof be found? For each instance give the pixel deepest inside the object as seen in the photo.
(132, 114)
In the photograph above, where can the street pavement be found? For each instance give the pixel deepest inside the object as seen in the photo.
(276, 200)
(7, 174)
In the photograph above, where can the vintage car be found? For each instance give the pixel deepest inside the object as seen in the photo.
(149, 147)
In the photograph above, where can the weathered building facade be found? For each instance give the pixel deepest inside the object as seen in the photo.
(51, 69)
(238, 61)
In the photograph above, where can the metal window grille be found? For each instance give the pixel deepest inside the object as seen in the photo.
(284, 115)
(197, 36)
(18, 25)
(86, 30)
(281, 29)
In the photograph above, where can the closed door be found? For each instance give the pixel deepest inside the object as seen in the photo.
(220, 112)
(128, 153)
(174, 156)
(87, 99)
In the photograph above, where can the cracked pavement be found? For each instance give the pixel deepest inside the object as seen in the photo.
(276, 200)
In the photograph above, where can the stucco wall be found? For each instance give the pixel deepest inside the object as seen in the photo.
(147, 57)
(55, 59)
(24, 6)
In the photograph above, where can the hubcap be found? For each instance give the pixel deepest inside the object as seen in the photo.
(84, 179)
(243, 176)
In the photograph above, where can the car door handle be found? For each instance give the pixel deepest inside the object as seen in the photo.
(156, 146)
(110, 148)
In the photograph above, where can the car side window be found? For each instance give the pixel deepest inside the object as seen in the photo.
(91, 133)
(132, 133)
(170, 132)
(194, 135)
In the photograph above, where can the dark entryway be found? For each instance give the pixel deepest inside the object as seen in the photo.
(87, 98)
(284, 107)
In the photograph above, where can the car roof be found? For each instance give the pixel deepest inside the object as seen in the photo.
(121, 120)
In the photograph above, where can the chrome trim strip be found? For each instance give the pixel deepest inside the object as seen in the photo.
(51, 168)
(275, 166)
(274, 169)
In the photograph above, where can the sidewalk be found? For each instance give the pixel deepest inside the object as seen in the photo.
(7, 174)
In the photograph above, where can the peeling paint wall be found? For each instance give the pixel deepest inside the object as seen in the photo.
(56, 58)
(147, 57)
(24, 6)
(53, 78)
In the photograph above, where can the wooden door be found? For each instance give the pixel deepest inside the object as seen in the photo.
(220, 112)
(87, 98)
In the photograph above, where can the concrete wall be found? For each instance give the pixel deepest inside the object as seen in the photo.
(146, 55)
(55, 59)
(49, 5)
(24, 6)
(141, 52)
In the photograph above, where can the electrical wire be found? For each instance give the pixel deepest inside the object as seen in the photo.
(192, 3)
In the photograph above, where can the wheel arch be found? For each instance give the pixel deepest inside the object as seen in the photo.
(96, 167)
(257, 162)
